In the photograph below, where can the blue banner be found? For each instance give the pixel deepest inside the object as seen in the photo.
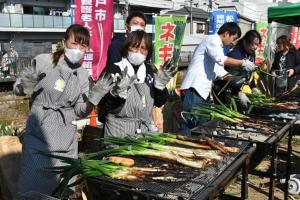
(219, 17)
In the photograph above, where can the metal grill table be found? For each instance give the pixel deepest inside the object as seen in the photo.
(266, 142)
(279, 113)
(195, 184)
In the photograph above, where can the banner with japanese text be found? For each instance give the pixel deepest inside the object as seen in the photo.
(295, 36)
(169, 32)
(97, 17)
(262, 28)
(219, 17)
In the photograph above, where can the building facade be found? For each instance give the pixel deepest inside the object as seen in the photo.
(33, 26)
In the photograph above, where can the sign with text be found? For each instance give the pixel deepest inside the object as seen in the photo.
(262, 28)
(169, 32)
(97, 17)
(219, 17)
(295, 36)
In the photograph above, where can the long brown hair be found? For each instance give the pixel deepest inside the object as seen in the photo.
(285, 41)
(81, 35)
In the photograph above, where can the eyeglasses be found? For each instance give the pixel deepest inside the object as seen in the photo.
(141, 49)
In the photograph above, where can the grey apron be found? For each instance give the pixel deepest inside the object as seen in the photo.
(135, 115)
(49, 129)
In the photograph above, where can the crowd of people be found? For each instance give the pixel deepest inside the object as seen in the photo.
(126, 91)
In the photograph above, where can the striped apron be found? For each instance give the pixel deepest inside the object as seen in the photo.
(135, 115)
(49, 129)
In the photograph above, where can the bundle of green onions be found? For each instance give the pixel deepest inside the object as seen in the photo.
(193, 152)
(196, 158)
(215, 111)
(92, 168)
(260, 99)
(167, 138)
(201, 143)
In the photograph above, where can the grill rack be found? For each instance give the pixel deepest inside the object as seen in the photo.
(269, 146)
(279, 113)
(192, 188)
(276, 112)
(219, 129)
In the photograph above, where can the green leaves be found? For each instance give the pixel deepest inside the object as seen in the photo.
(217, 111)
(9, 129)
(81, 166)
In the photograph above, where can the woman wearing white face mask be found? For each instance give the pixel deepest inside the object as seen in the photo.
(127, 109)
(61, 93)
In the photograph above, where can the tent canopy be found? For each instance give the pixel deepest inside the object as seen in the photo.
(285, 14)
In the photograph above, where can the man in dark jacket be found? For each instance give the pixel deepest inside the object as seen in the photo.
(135, 21)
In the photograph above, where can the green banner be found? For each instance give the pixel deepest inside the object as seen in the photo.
(169, 32)
(262, 28)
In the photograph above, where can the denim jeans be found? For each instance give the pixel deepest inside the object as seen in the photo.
(191, 99)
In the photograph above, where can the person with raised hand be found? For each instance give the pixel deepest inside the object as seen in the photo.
(60, 93)
(127, 109)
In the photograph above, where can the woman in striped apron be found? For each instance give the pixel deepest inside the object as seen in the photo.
(61, 93)
(127, 109)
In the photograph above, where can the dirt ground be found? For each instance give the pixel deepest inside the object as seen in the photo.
(258, 186)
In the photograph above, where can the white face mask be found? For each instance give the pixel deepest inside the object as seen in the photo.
(74, 55)
(136, 58)
(136, 28)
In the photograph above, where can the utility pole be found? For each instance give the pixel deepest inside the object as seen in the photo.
(210, 5)
(191, 18)
(72, 11)
(126, 9)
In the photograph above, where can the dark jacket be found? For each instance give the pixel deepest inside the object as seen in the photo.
(290, 63)
(239, 53)
(297, 62)
(114, 50)
(110, 103)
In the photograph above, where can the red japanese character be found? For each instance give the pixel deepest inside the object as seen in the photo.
(264, 32)
(168, 28)
(165, 52)
(260, 49)
(259, 60)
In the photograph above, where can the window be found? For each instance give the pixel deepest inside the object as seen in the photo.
(200, 29)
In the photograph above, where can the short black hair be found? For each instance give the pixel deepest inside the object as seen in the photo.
(231, 27)
(136, 14)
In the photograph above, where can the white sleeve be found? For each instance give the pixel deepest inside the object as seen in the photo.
(220, 71)
(215, 51)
